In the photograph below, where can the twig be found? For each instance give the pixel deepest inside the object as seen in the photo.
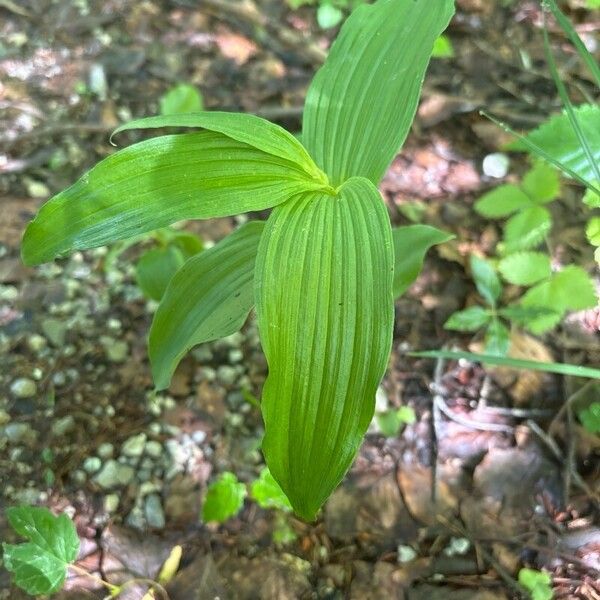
(479, 425)
(436, 420)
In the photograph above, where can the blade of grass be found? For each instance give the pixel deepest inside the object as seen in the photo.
(535, 149)
(575, 39)
(564, 96)
(503, 361)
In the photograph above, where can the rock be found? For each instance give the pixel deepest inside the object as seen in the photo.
(134, 446)
(63, 426)
(55, 330)
(114, 474)
(227, 375)
(496, 165)
(106, 450)
(154, 449)
(202, 354)
(78, 477)
(23, 388)
(199, 436)
(18, 433)
(136, 518)
(111, 503)
(92, 464)
(116, 350)
(36, 343)
(153, 510)
(4, 417)
(235, 356)
(148, 487)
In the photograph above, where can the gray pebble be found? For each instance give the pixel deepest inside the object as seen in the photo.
(114, 474)
(23, 388)
(154, 449)
(111, 503)
(202, 354)
(227, 374)
(235, 356)
(134, 446)
(59, 379)
(92, 464)
(55, 330)
(79, 477)
(154, 511)
(106, 450)
(63, 426)
(136, 519)
(36, 343)
(17, 433)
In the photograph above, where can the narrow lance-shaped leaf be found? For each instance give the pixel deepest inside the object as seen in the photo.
(361, 104)
(324, 301)
(158, 182)
(207, 299)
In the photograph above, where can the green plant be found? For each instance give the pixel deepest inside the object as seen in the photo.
(537, 583)
(224, 498)
(590, 417)
(391, 421)
(321, 271)
(182, 98)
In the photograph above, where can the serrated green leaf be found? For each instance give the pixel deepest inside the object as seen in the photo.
(470, 319)
(329, 16)
(410, 247)
(224, 499)
(267, 493)
(542, 183)
(208, 298)
(361, 104)
(543, 295)
(155, 269)
(40, 565)
(244, 128)
(592, 231)
(487, 281)
(158, 182)
(502, 201)
(558, 139)
(181, 99)
(324, 302)
(497, 339)
(526, 229)
(525, 268)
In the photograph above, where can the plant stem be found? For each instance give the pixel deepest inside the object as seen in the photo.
(114, 589)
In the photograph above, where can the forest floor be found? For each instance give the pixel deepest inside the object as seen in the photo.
(492, 476)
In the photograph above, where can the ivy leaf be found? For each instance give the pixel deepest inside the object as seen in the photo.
(497, 339)
(542, 183)
(410, 247)
(155, 269)
(224, 499)
(207, 299)
(267, 493)
(39, 566)
(324, 301)
(502, 202)
(182, 98)
(525, 268)
(487, 281)
(470, 319)
(526, 229)
(361, 104)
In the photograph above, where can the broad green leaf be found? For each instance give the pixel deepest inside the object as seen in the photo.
(514, 363)
(542, 183)
(537, 583)
(443, 48)
(155, 269)
(39, 566)
(158, 182)
(526, 229)
(181, 99)
(267, 493)
(329, 16)
(525, 268)
(247, 129)
(391, 421)
(361, 104)
(224, 499)
(592, 231)
(502, 201)
(410, 247)
(208, 298)
(487, 281)
(324, 302)
(558, 139)
(470, 319)
(497, 339)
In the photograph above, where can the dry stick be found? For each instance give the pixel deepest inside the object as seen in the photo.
(436, 420)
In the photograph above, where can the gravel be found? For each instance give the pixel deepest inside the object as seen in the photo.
(114, 474)
(23, 388)
(134, 446)
(153, 510)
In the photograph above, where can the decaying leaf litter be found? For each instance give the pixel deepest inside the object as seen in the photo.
(489, 471)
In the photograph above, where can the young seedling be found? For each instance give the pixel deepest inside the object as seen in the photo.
(320, 271)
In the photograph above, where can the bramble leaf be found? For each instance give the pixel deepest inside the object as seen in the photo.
(224, 499)
(411, 244)
(361, 104)
(470, 319)
(207, 299)
(497, 339)
(542, 183)
(487, 281)
(267, 493)
(324, 302)
(39, 566)
(525, 268)
(526, 229)
(158, 182)
(502, 201)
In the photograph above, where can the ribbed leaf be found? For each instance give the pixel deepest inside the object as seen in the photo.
(248, 129)
(362, 102)
(207, 299)
(324, 301)
(157, 182)
(411, 244)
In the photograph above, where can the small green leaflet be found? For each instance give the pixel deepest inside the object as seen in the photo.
(590, 417)
(410, 247)
(486, 280)
(525, 268)
(502, 201)
(267, 493)
(155, 268)
(497, 338)
(182, 98)
(391, 421)
(470, 319)
(361, 104)
(542, 183)
(537, 583)
(526, 229)
(443, 48)
(224, 499)
(39, 566)
(208, 298)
